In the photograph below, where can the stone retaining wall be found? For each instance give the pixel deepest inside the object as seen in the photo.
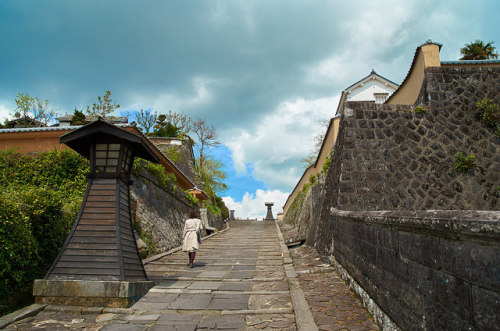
(162, 211)
(300, 211)
(391, 157)
(215, 221)
(425, 269)
(435, 270)
(459, 87)
(398, 159)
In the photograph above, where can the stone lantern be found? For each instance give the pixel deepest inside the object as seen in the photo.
(99, 263)
(269, 216)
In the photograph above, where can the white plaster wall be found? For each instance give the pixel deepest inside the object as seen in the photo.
(365, 92)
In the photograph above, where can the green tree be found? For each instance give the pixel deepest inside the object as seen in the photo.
(164, 128)
(181, 121)
(78, 118)
(103, 107)
(223, 208)
(478, 50)
(24, 104)
(213, 175)
(172, 124)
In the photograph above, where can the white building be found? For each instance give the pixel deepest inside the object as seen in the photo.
(371, 88)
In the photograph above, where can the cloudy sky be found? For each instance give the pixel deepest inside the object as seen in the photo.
(262, 72)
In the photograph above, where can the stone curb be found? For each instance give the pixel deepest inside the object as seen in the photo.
(236, 280)
(80, 310)
(20, 314)
(176, 249)
(303, 316)
(132, 312)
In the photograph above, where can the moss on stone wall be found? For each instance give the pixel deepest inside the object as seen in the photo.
(299, 213)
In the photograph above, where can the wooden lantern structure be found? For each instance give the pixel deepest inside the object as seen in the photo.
(101, 246)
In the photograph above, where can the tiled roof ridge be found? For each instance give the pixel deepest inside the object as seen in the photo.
(69, 116)
(42, 128)
(373, 72)
(167, 138)
(429, 41)
(471, 62)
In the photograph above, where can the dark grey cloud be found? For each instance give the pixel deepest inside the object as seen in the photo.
(243, 65)
(70, 52)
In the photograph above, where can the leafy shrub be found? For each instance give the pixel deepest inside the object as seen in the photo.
(464, 163)
(419, 109)
(168, 130)
(326, 165)
(39, 200)
(78, 118)
(224, 211)
(18, 248)
(174, 154)
(214, 209)
(157, 170)
(194, 201)
(152, 247)
(489, 112)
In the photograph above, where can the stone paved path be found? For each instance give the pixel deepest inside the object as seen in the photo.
(333, 306)
(243, 279)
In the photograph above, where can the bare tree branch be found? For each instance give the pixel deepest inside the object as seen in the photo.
(318, 141)
(42, 115)
(207, 138)
(180, 120)
(146, 119)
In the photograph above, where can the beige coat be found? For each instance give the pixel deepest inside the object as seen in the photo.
(190, 239)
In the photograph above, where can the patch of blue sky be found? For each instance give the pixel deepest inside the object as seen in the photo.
(238, 184)
(129, 113)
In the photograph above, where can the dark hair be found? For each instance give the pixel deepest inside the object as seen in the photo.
(193, 214)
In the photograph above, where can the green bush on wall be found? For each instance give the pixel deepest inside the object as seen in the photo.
(464, 163)
(420, 109)
(194, 201)
(18, 247)
(489, 112)
(156, 169)
(326, 165)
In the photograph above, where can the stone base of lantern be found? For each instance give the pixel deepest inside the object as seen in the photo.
(90, 293)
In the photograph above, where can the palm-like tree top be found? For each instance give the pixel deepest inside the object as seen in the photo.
(478, 50)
